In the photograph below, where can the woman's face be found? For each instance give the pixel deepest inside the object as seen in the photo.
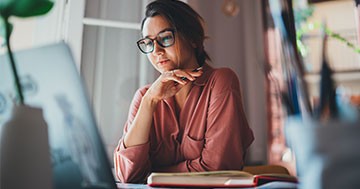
(178, 56)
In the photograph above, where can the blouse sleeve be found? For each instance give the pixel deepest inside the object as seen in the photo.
(228, 135)
(132, 164)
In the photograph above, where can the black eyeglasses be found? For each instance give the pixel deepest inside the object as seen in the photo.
(165, 38)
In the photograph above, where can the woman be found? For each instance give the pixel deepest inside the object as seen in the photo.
(191, 118)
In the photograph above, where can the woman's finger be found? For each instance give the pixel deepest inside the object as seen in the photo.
(171, 76)
(195, 72)
(183, 75)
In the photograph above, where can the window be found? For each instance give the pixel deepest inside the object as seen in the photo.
(110, 63)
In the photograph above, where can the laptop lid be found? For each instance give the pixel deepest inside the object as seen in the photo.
(50, 81)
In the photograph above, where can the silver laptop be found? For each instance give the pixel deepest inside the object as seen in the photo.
(50, 80)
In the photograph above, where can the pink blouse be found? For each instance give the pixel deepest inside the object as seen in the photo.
(210, 133)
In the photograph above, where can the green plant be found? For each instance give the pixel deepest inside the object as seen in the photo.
(301, 15)
(303, 27)
(19, 8)
(315, 26)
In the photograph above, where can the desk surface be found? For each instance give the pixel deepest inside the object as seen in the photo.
(267, 186)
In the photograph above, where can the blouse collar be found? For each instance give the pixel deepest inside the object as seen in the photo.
(207, 70)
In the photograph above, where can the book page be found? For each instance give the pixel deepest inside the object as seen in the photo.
(240, 181)
(228, 173)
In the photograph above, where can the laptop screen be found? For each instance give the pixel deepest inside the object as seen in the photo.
(50, 81)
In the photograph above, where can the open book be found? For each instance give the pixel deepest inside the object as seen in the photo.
(213, 179)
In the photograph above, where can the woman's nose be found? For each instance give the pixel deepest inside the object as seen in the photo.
(157, 48)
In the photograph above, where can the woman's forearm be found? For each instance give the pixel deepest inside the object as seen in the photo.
(139, 130)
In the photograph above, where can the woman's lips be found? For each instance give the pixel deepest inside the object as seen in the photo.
(161, 62)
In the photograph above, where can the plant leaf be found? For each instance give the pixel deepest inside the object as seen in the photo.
(28, 8)
(4, 4)
(24, 8)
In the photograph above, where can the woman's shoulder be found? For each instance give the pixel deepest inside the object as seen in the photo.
(223, 78)
(140, 92)
(223, 73)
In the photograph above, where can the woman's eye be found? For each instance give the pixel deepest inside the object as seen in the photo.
(146, 42)
(167, 39)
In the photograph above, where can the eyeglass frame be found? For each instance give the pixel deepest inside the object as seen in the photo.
(156, 39)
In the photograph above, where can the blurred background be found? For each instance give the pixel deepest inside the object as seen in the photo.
(103, 33)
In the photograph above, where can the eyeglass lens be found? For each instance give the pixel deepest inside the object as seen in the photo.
(164, 39)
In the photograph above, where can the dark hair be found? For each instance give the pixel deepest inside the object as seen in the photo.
(185, 21)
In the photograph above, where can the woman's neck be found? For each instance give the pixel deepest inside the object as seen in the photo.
(180, 97)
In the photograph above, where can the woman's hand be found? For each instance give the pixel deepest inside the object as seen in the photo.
(169, 83)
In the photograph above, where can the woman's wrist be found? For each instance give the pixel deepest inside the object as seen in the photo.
(150, 101)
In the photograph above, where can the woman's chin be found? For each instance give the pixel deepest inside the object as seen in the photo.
(165, 68)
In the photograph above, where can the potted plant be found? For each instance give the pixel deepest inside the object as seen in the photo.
(24, 147)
